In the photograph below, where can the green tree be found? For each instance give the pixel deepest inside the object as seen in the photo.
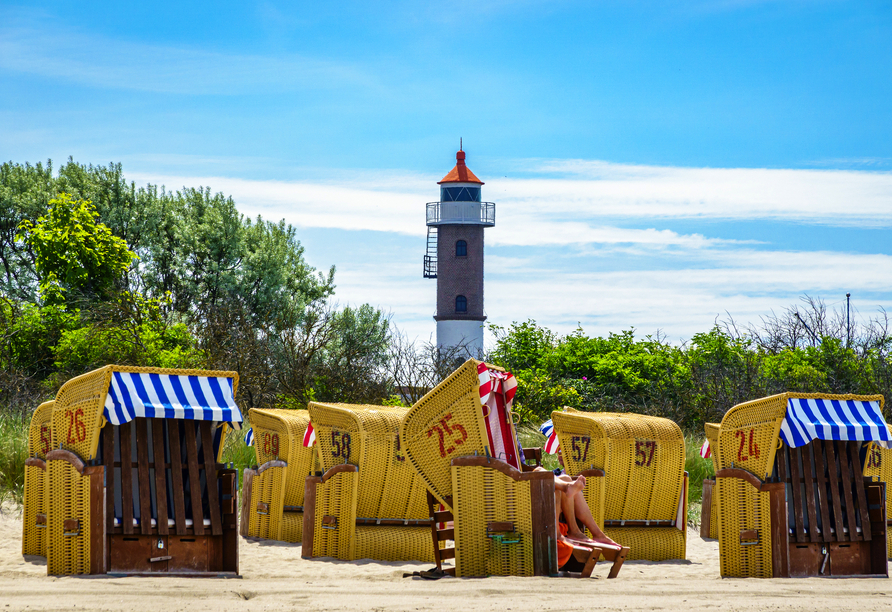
(73, 250)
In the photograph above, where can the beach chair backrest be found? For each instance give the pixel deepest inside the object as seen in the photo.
(642, 456)
(40, 433)
(367, 436)
(35, 501)
(468, 413)
(712, 435)
(278, 435)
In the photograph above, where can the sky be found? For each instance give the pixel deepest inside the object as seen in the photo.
(655, 165)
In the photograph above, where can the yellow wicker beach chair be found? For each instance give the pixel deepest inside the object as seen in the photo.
(709, 513)
(461, 440)
(792, 495)
(878, 464)
(642, 500)
(369, 503)
(40, 437)
(135, 483)
(273, 491)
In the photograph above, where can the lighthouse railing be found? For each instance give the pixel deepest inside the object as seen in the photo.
(468, 213)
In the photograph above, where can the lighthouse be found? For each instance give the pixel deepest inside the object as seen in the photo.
(454, 257)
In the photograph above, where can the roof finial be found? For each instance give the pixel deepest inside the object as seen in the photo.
(460, 144)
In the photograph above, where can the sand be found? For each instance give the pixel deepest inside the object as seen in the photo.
(274, 577)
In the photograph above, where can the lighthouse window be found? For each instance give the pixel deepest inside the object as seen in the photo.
(461, 249)
(461, 303)
(459, 194)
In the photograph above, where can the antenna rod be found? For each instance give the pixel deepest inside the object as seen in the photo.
(848, 323)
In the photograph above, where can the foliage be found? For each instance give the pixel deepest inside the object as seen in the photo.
(72, 250)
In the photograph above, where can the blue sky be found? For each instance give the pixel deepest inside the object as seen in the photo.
(654, 165)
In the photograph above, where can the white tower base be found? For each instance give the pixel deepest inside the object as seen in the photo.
(466, 334)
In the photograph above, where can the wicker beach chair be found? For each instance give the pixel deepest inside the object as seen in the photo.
(273, 490)
(709, 509)
(792, 494)
(878, 465)
(135, 486)
(40, 435)
(461, 440)
(369, 503)
(636, 466)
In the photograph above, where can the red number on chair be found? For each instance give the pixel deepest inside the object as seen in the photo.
(45, 439)
(752, 448)
(443, 428)
(77, 429)
(644, 452)
(439, 431)
(340, 442)
(399, 456)
(271, 444)
(579, 447)
(875, 459)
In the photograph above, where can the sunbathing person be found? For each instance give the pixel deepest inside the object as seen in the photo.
(572, 509)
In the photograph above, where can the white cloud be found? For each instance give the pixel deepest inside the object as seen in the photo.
(614, 277)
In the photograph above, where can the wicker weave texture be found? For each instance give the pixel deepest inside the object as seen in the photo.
(743, 508)
(712, 435)
(292, 527)
(40, 433)
(267, 488)
(36, 480)
(384, 543)
(69, 499)
(337, 498)
(34, 535)
(446, 423)
(878, 463)
(650, 543)
(368, 437)
(278, 434)
(482, 496)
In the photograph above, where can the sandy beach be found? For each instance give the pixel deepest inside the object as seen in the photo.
(274, 577)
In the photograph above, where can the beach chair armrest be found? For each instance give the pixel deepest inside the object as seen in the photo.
(758, 483)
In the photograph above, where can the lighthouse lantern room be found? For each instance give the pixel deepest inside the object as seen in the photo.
(455, 257)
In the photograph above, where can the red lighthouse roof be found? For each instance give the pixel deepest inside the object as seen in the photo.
(461, 173)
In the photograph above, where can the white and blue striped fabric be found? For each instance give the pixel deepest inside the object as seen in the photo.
(169, 396)
(249, 437)
(829, 419)
(546, 428)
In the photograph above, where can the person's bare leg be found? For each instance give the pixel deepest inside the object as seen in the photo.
(584, 514)
(570, 509)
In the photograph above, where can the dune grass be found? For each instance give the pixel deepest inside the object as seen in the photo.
(13, 453)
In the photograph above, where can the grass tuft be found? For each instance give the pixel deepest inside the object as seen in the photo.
(13, 453)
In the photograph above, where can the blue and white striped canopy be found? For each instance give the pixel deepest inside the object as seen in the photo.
(169, 396)
(249, 437)
(831, 419)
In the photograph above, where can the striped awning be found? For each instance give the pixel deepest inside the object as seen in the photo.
(168, 396)
(831, 419)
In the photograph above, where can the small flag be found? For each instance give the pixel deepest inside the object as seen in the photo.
(309, 436)
(249, 437)
(551, 444)
(705, 451)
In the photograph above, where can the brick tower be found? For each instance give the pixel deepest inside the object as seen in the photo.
(455, 257)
